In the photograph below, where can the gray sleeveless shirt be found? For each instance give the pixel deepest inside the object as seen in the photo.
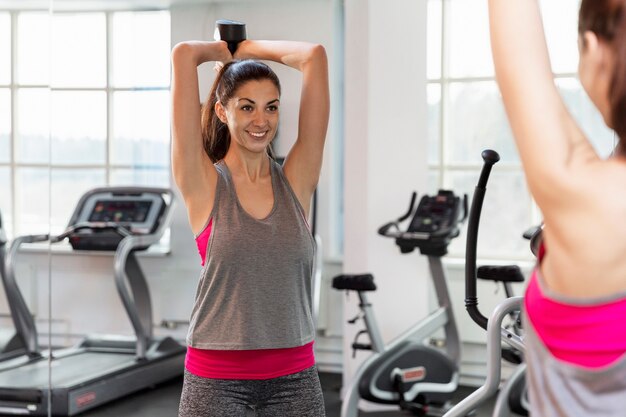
(559, 389)
(255, 287)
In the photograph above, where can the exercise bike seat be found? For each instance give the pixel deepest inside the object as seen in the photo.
(355, 282)
(504, 273)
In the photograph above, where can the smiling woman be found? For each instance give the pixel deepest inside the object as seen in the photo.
(245, 97)
(252, 320)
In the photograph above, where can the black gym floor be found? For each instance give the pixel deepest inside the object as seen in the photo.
(162, 401)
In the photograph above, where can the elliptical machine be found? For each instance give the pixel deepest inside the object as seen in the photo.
(512, 393)
(407, 372)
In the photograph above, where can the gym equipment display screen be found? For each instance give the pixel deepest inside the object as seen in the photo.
(124, 211)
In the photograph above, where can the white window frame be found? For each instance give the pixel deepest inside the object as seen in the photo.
(109, 89)
(443, 168)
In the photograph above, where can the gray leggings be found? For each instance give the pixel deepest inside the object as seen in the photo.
(296, 395)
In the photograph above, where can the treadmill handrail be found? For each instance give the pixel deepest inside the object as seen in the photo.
(137, 301)
(22, 318)
(121, 230)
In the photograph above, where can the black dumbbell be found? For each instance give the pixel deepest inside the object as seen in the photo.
(231, 32)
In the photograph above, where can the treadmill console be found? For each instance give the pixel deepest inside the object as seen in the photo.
(101, 213)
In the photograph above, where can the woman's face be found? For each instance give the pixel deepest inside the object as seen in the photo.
(252, 115)
(595, 70)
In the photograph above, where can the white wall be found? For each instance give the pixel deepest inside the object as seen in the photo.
(385, 157)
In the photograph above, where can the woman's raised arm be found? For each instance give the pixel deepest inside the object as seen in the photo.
(550, 143)
(193, 171)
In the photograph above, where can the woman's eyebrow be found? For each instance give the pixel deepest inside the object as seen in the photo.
(253, 102)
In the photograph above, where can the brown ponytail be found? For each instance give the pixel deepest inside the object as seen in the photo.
(215, 134)
(607, 19)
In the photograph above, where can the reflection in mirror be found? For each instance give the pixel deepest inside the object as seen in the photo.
(78, 60)
(32, 129)
(24, 195)
(79, 128)
(84, 103)
(33, 48)
(5, 124)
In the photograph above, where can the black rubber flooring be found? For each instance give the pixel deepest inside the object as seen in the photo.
(162, 401)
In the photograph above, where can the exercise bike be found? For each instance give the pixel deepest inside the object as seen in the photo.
(418, 378)
(512, 397)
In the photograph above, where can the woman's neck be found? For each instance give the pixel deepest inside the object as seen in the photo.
(252, 166)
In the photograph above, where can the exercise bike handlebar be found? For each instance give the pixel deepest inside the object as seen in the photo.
(446, 231)
(383, 230)
(490, 158)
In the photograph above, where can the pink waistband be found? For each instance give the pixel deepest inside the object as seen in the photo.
(249, 364)
(591, 335)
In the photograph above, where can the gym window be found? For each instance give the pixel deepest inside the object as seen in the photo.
(466, 115)
(84, 102)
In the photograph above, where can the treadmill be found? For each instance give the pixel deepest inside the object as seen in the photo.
(99, 369)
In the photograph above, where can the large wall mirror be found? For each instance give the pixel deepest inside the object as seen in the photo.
(84, 105)
(26, 204)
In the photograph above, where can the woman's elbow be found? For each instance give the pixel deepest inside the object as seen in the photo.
(180, 51)
(315, 57)
(318, 53)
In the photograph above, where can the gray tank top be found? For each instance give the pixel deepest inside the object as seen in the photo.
(255, 288)
(559, 389)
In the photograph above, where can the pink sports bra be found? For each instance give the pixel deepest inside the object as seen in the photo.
(586, 332)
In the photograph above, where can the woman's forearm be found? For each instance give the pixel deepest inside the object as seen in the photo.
(291, 53)
(199, 52)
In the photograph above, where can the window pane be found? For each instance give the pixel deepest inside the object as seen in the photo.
(477, 121)
(79, 50)
(505, 214)
(141, 49)
(148, 177)
(79, 127)
(5, 48)
(5, 201)
(470, 48)
(434, 181)
(433, 39)
(33, 125)
(33, 49)
(32, 188)
(433, 93)
(587, 115)
(5, 124)
(67, 186)
(141, 128)
(560, 19)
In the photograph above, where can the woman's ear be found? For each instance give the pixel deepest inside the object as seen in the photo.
(220, 111)
(589, 42)
(595, 55)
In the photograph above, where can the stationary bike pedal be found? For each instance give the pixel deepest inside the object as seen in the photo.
(361, 346)
(511, 356)
(355, 319)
